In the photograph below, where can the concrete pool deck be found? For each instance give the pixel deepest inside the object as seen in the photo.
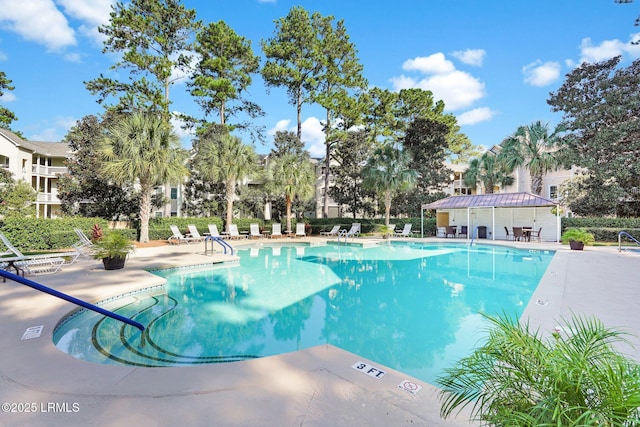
(41, 386)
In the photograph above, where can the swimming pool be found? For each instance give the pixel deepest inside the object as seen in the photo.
(410, 306)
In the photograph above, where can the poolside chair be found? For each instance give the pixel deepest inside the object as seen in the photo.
(254, 231)
(84, 245)
(234, 234)
(354, 231)
(538, 234)
(300, 230)
(194, 234)
(441, 232)
(518, 234)
(213, 231)
(506, 230)
(406, 231)
(333, 232)
(463, 231)
(276, 230)
(177, 237)
(451, 231)
(35, 264)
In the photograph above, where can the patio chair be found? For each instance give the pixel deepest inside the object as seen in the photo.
(234, 234)
(213, 231)
(463, 231)
(406, 231)
(35, 264)
(276, 230)
(333, 232)
(452, 230)
(538, 234)
(194, 234)
(300, 230)
(177, 237)
(518, 234)
(354, 231)
(506, 230)
(441, 232)
(254, 231)
(84, 245)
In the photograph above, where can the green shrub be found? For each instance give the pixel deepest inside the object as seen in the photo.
(577, 235)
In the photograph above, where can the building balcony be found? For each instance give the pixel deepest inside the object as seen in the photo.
(48, 171)
(48, 198)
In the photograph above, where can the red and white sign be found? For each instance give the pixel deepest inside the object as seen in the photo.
(410, 387)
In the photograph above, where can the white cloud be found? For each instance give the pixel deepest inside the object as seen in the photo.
(473, 57)
(476, 115)
(312, 134)
(178, 125)
(95, 12)
(432, 64)
(39, 21)
(608, 49)
(46, 135)
(541, 74)
(3, 56)
(8, 97)
(458, 89)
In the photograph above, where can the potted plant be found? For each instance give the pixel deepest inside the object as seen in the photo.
(577, 238)
(113, 249)
(385, 230)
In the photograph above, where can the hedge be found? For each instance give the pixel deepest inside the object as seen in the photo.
(605, 229)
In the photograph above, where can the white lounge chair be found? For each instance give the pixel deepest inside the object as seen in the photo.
(35, 264)
(334, 231)
(213, 231)
(406, 231)
(300, 230)
(442, 232)
(254, 231)
(276, 230)
(84, 245)
(194, 234)
(354, 231)
(234, 234)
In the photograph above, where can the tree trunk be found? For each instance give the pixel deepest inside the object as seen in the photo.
(327, 165)
(299, 112)
(288, 201)
(146, 191)
(387, 207)
(230, 194)
(536, 184)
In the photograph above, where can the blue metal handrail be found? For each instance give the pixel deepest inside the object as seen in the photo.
(624, 233)
(221, 242)
(73, 300)
(474, 235)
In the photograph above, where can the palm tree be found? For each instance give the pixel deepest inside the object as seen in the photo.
(142, 147)
(293, 176)
(223, 157)
(488, 171)
(387, 172)
(532, 147)
(520, 378)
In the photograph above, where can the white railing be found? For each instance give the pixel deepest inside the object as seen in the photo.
(48, 170)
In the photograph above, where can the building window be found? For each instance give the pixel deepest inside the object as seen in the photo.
(174, 193)
(553, 192)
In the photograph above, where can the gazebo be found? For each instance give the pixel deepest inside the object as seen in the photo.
(489, 214)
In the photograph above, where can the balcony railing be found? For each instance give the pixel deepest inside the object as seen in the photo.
(48, 198)
(51, 171)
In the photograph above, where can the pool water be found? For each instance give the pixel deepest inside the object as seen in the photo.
(410, 306)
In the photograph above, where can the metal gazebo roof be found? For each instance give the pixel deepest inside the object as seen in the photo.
(499, 200)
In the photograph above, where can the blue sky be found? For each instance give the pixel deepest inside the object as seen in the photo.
(494, 63)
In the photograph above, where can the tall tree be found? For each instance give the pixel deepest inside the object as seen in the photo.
(387, 172)
(487, 171)
(6, 116)
(286, 142)
(339, 75)
(224, 157)
(293, 176)
(291, 58)
(17, 198)
(350, 156)
(152, 39)
(224, 72)
(534, 148)
(142, 148)
(425, 141)
(601, 110)
(83, 190)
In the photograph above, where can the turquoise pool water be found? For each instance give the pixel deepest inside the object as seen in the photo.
(413, 307)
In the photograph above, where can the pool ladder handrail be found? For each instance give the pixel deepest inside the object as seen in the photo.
(624, 233)
(474, 235)
(42, 288)
(220, 241)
